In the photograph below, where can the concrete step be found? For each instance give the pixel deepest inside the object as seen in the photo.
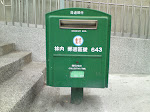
(17, 93)
(11, 63)
(6, 48)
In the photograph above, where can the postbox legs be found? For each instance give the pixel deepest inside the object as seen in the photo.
(76, 95)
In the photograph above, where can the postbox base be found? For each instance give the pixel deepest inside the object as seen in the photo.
(76, 95)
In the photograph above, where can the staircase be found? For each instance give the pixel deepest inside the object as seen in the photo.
(21, 79)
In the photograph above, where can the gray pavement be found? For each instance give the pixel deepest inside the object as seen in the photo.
(126, 93)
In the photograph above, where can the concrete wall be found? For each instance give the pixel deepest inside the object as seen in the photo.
(127, 55)
(28, 39)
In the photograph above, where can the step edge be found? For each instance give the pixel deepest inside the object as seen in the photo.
(20, 62)
(42, 73)
(9, 50)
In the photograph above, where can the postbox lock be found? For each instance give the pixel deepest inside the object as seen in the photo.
(77, 62)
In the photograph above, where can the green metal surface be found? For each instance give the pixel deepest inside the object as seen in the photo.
(94, 61)
(76, 95)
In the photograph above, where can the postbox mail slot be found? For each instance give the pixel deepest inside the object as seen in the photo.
(77, 24)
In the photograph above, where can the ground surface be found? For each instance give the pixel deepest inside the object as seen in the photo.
(126, 93)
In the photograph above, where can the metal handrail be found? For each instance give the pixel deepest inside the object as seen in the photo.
(2, 2)
(125, 26)
(104, 3)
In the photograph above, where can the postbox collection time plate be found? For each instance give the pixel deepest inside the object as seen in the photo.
(77, 74)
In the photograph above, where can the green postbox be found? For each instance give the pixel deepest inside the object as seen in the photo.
(77, 48)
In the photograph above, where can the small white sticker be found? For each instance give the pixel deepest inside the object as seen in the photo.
(100, 49)
(77, 12)
(75, 49)
(79, 49)
(71, 12)
(85, 49)
(82, 12)
(75, 30)
(97, 49)
(61, 48)
(92, 49)
(57, 48)
(76, 65)
(78, 40)
(69, 49)
(84, 30)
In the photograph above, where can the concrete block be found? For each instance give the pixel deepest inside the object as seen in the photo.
(6, 48)
(129, 55)
(18, 93)
(11, 63)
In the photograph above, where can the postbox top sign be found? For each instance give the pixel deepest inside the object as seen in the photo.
(77, 39)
